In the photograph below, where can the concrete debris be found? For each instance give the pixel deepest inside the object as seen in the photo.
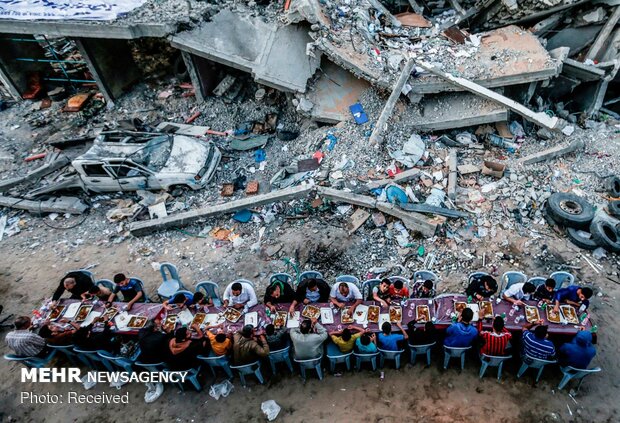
(70, 205)
(552, 153)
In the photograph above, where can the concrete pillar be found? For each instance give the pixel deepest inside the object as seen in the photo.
(193, 76)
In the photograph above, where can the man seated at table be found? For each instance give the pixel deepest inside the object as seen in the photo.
(277, 339)
(179, 301)
(130, 288)
(54, 334)
(247, 348)
(481, 287)
(88, 339)
(23, 341)
(398, 290)
(308, 339)
(221, 343)
(579, 352)
(424, 289)
(495, 342)
(240, 295)
(77, 283)
(381, 292)
(519, 292)
(574, 295)
(366, 344)
(201, 302)
(345, 339)
(310, 291)
(153, 349)
(535, 343)
(97, 292)
(390, 341)
(461, 334)
(345, 292)
(419, 336)
(183, 349)
(277, 293)
(545, 291)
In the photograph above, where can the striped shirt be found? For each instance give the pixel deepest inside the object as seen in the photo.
(25, 343)
(494, 343)
(537, 348)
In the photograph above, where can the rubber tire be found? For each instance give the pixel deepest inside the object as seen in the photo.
(580, 241)
(606, 233)
(550, 221)
(579, 220)
(612, 185)
(614, 208)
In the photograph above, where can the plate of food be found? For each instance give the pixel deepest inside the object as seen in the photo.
(552, 316)
(213, 319)
(280, 320)
(199, 319)
(327, 316)
(345, 317)
(570, 315)
(251, 319)
(487, 309)
(170, 323)
(373, 314)
(531, 314)
(311, 312)
(396, 314)
(110, 313)
(459, 306)
(422, 313)
(56, 312)
(360, 315)
(83, 313)
(137, 322)
(232, 315)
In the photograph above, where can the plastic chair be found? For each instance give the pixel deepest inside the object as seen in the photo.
(171, 281)
(476, 275)
(421, 349)
(365, 358)
(512, 277)
(249, 369)
(192, 377)
(282, 277)
(405, 281)
(349, 278)
(280, 356)
(86, 272)
(423, 275)
(215, 361)
(534, 363)
(561, 277)
(67, 351)
(93, 360)
(141, 283)
(390, 355)
(152, 367)
(492, 361)
(335, 356)
(367, 288)
(537, 280)
(313, 363)
(106, 283)
(571, 373)
(245, 281)
(122, 363)
(454, 352)
(171, 269)
(36, 362)
(309, 274)
(189, 295)
(212, 290)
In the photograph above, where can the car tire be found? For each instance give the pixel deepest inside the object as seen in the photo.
(612, 185)
(579, 238)
(570, 210)
(606, 233)
(548, 218)
(614, 208)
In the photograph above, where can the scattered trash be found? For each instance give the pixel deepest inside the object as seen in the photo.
(221, 390)
(271, 409)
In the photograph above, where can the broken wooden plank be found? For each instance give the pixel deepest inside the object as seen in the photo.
(376, 136)
(185, 218)
(405, 176)
(602, 36)
(552, 153)
(38, 173)
(357, 219)
(452, 175)
(71, 205)
(413, 221)
(441, 211)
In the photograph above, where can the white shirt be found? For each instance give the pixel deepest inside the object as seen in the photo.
(516, 291)
(247, 296)
(354, 292)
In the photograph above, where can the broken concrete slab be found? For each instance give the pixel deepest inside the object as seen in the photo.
(575, 38)
(185, 218)
(71, 205)
(357, 219)
(441, 211)
(581, 71)
(405, 176)
(413, 221)
(46, 169)
(602, 36)
(413, 19)
(552, 153)
(337, 195)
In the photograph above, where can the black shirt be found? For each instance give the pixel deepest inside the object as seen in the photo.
(83, 283)
(477, 287)
(542, 293)
(287, 295)
(153, 346)
(324, 291)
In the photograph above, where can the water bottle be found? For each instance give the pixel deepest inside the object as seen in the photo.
(582, 308)
(499, 300)
(504, 316)
(511, 312)
(498, 141)
(594, 329)
(469, 299)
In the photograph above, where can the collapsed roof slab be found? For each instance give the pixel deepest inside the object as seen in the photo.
(275, 56)
(86, 29)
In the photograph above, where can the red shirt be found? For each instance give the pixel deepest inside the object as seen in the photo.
(494, 344)
(402, 293)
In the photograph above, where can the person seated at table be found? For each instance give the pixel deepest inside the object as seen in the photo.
(183, 349)
(545, 291)
(424, 289)
(247, 348)
(310, 291)
(574, 295)
(153, 344)
(345, 292)
(97, 292)
(240, 295)
(519, 292)
(130, 288)
(481, 287)
(90, 340)
(425, 336)
(398, 290)
(495, 342)
(200, 301)
(221, 343)
(23, 341)
(461, 334)
(308, 339)
(366, 344)
(345, 339)
(76, 283)
(579, 352)
(179, 300)
(535, 343)
(391, 341)
(381, 292)
(55, 335)
(277, 339)
(277, 293)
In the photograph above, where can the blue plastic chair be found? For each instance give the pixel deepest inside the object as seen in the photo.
(335, 356)
(367, 288)
(215, 361)
(211, 289)
(245, 281)
(571, 373)
(122, 363)
(151, 367)
(67, 351)
(93, 360)
(511, 278)
(421, 349)
(492, 361)
(282, 277)
(171, 282)
(192, 377)
(349, 278)
(313, 363)
(280, 356)
(249, 369)
(309, 274)
(36, 362)
(189, 295)
(86, 272)
(537, 280)
(476, 275)
(423, 275)
(106, 283)
(561, 277)
(141, 283)
(534, 363)
(454, 352)
(390, 355)
(365, 358)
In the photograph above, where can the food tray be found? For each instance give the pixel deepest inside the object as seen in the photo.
(137, 322)
(280, 319)
(327, 316)
(83, 312)
(56, 312)
(459, 306)
(110, 313)
(552, 316)
(345, 317)
(487, 308)
(360, 315)
(170, 323)
(232, 315)
(251, 319)
(373, 314)
(570, 315)
(531, 314)
(199, 319)
(396, 314)
(422, 314)
(311, 312)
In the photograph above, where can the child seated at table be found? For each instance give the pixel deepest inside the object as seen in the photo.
(424, 289)
(221, 344)
(419, 336)
(97, 292)
(201, 301)
(276, 339)
(366, 344)
(398, 290)
(390, 341)
(180, 300)
(545, 291)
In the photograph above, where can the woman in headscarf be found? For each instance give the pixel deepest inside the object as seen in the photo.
(579, 352)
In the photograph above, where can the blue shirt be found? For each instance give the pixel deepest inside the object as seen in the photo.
(389, 342)
(460, 335)
(569, 293)
(542, 349)
(130, 290)
(365, 349)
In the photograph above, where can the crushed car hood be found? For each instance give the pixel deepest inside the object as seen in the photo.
(187, 156)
